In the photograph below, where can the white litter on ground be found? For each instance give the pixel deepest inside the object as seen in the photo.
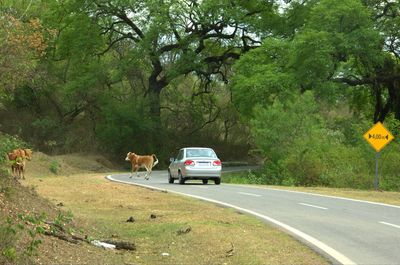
(98, 243)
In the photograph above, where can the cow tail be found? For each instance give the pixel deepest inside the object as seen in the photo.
(155, 162)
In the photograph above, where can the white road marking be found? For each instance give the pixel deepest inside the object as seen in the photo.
(249, 194)
(342, 259)
(317, 194)
(201, 187)
(314, 206)
(389, 224)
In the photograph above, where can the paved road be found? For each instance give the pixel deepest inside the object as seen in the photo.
(347, 231)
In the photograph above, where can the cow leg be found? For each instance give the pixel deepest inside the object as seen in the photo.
(13, 171)
(16, 171)
(148, 172)
(134, 170)
(137, 171)
(19, 171)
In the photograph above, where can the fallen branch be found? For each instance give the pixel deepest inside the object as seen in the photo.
(61, 233)
(62, 237)
(60, 227)
(121, 244)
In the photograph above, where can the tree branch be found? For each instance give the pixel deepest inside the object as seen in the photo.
(205, 123)
(133, 26)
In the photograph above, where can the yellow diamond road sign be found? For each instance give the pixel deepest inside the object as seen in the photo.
(378, 136)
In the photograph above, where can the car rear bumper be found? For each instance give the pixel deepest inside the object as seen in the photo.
(200, 173)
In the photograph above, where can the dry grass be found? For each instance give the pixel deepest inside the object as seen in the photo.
(102, 207)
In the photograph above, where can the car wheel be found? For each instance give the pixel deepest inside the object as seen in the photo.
(205, 181)
(217, 181)
(181, 178)
(170, 178)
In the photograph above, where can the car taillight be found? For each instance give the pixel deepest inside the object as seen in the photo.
(216, 163)
(189, 163)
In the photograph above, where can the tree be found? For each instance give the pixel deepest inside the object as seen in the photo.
(385, 83)
(22, 44)
(261, 76)
(354, 44)
(174, 37)
(343, 49)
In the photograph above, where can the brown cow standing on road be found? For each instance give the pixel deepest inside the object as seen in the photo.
(138, 161)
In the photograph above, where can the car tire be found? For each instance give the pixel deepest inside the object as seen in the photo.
(170, 178)
(205, 181)
(181, 178)
(217, 181)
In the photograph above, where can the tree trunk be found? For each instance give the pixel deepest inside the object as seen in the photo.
(156, 85)
(155, 88)
(394, 94)
(382, 109)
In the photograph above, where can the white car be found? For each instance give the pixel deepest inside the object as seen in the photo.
(195, 163)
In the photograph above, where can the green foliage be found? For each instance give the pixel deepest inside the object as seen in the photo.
(260, 76)
(302, 147)
(9, 143)
(54, 166)
(126, 126)
(10, 253)
(315, 138)
(8, 235)
(63, 218)
(18, 232)
(286, 150)
(311, 58)
(33, 230)
(45, 127)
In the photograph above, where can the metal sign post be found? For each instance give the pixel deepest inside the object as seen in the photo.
(376, 180)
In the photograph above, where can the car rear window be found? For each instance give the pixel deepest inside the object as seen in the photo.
(200, 153)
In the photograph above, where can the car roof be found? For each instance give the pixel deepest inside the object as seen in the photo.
(196, 148)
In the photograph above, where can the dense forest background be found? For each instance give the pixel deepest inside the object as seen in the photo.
(291, 84)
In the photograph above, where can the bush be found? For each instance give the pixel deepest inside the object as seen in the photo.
(9, 143)
(288, 134)
(54, 167)
(8, 235)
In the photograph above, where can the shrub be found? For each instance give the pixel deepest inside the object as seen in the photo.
(8, 143)
(54, 167)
